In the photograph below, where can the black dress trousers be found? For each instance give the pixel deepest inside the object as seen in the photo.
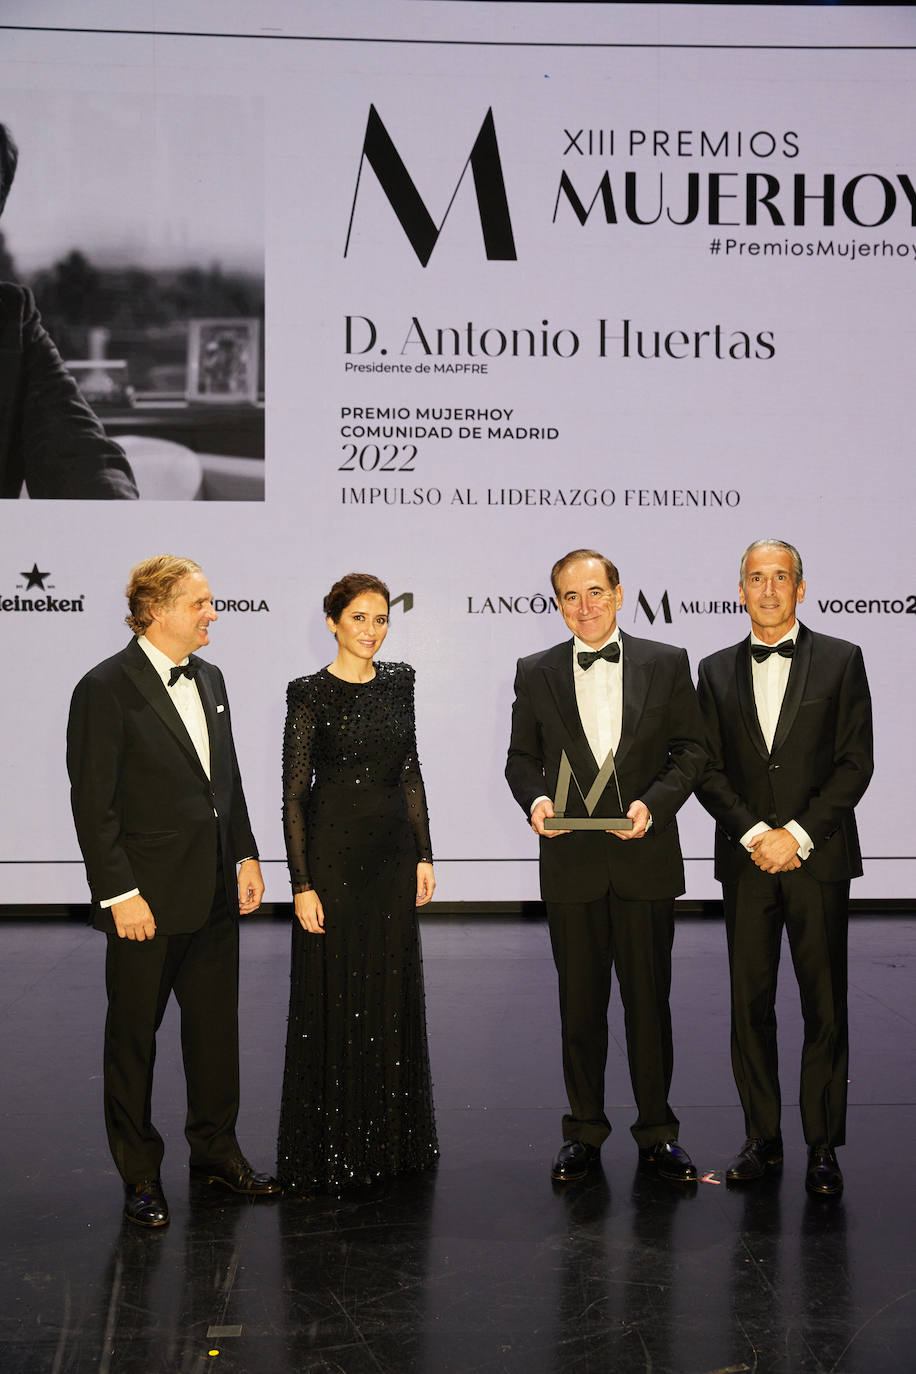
(815, 916)
(588, 940)
(202, 969)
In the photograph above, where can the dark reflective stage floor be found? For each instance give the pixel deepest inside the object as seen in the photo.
(486, 1265)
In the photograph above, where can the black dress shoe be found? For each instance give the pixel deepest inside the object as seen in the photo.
(753, 1159)
(145, 1204)
(574, 1160)
(670, 1160)
(238, 1175)
(824, 1176)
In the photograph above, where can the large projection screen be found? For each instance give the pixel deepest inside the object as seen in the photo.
(440, 291)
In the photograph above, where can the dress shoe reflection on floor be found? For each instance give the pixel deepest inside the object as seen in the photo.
(238, 1175)
(753, 1160)
(574, 1160)
(602, 1275)
(670, 1161)
(145, 1204)
(824, 1176)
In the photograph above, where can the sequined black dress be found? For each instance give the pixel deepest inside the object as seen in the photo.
(357, 1098)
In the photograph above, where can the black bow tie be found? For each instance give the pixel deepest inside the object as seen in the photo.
(762, 653)
(189, 670)
(610, 653)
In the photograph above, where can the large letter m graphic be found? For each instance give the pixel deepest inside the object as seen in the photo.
(407, 203)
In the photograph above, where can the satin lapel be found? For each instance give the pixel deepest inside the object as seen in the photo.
(795, 688)
(746, 702)
(209, 704)
(637, 675)
(145, 678)
(558, 674)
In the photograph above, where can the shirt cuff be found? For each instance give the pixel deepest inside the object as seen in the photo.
(537, 801)
(110, 901)
(805, 842)
(759, 829)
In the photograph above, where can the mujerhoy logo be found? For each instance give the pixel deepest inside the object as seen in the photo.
(642, 196)
(422, 231)
(34, 580)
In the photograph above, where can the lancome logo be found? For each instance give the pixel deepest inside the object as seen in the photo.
(512, 605)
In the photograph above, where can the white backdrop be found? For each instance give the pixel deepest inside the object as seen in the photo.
(771, 156)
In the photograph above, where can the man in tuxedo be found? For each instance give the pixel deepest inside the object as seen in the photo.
(609, 896)
(162, 823)
(49, 437)
(788, 718)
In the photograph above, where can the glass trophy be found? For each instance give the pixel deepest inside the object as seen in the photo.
(560, 821)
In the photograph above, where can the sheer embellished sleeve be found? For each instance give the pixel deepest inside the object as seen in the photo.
(412, 780)
(298, 744)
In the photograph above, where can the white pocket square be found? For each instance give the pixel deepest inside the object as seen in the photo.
(220, 708)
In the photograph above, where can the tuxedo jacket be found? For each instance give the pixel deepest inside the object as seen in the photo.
(659, 760)
(820, 763)
(142, 802)
(49, 437)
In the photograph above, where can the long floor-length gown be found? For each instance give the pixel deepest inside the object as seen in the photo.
(357, 1097)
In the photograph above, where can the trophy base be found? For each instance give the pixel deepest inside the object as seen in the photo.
(588, 823)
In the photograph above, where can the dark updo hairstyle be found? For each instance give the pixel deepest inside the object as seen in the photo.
(348, 588)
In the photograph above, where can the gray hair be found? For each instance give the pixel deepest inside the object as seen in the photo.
(790, 549)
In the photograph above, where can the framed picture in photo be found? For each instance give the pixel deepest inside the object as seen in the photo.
(223, 360)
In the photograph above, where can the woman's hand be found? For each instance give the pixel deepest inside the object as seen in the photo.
(426, 883)
(309, 912)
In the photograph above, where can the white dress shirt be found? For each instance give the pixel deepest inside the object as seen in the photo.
(185, 698)
(770, 679)
(599, 697)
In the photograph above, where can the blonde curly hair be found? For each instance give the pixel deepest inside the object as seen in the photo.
(154, 582)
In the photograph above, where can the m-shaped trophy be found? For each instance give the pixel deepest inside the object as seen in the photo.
(560, 821)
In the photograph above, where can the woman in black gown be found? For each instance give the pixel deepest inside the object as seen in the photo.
(357, 1097)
